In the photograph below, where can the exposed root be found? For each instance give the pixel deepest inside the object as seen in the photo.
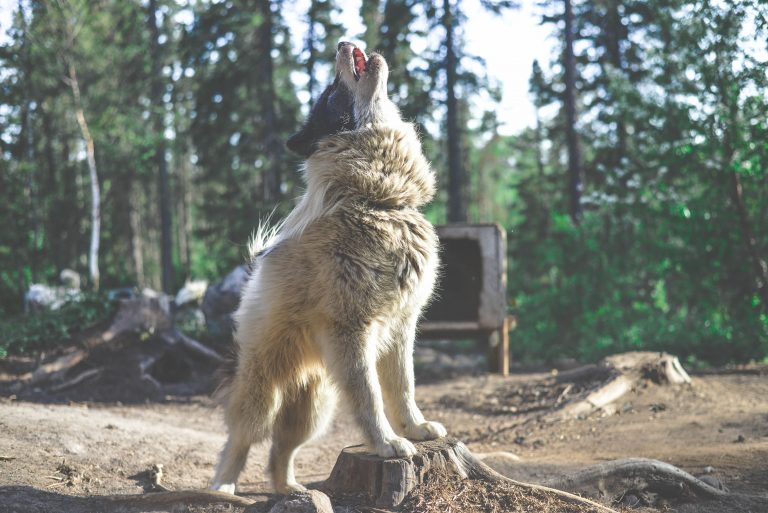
(615, 478)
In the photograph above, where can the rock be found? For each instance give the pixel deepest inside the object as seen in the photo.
(712, 481)
(221, 300)
(192, 292)
(70, 279)
(311, 501)
(43, 297)
(122, 293)
(630, 501)
(190, 319)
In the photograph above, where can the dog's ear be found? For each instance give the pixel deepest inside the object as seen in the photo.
(301, 142)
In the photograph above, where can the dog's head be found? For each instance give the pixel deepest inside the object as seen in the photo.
(331, 114)
(366, 78)
(356, 98)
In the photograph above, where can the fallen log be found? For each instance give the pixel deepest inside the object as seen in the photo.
(138, 315)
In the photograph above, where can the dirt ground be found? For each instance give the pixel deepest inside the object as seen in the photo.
(62, 457)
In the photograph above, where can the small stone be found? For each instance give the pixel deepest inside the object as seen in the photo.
(311, 501)
(630, 501)
(709, 469)
(740, 439)
(712, 481)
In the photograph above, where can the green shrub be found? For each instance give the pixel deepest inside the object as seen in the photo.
(25, 334)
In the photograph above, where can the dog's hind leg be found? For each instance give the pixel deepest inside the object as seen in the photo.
(301, 417)
(249, 414)
(231, 462)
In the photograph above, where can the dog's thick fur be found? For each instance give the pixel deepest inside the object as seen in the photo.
(333, 301)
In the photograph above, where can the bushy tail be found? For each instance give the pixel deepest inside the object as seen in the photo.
(264, 237)
(225, 375)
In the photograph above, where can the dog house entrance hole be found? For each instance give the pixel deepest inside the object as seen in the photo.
(460, 282)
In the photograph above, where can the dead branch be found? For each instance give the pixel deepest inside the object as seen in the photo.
(58, 368)
(175, 499)
(78, 379)
(177, 337)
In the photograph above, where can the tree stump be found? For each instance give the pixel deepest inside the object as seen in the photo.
(619, 374)
(387, 482)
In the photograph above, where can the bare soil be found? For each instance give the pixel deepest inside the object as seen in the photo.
(59, 454)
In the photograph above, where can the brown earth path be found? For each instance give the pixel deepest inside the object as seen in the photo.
(51, 452)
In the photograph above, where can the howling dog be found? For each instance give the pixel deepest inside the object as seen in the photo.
(337, 289)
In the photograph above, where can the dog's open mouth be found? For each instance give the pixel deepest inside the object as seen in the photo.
(360, 64)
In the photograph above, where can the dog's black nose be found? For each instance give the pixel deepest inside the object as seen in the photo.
(342, 44)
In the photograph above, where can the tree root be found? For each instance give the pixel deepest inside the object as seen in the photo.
(615, 478)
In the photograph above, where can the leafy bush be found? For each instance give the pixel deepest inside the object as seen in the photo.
(579, 294)
(24, 334)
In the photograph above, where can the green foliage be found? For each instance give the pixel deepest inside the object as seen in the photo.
(40, 331)
(667, 256)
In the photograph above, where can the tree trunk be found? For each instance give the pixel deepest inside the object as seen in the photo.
(731, 139)
(759, 266)
(614, 36)
(539, 143)
(27, 150)
(574, 156)
(273, 179)
(137, 249)
(372, 18)
(53, 228)
(457, 208)
(312, 57)
(93, 252)
(166, 248)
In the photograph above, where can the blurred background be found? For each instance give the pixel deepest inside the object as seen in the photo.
(622, 145)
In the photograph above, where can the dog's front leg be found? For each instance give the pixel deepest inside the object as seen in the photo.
(397, 380)
(351, 357)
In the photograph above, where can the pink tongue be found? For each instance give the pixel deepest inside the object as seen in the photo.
(359, 57)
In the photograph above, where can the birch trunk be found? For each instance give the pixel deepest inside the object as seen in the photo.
(93, 252)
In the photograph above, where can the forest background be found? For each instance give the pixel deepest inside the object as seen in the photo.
(141, 141)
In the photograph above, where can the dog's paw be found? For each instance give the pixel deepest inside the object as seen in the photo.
(289, 488)
(224, 488)
(426, 431)
(396, 448)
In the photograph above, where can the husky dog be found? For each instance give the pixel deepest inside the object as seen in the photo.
(336, 290)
